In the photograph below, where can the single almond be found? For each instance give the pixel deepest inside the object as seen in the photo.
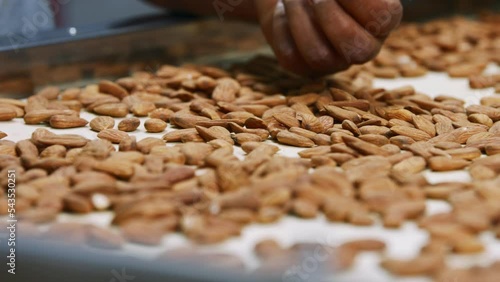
(342, 114)
(400, 114)
(413, 133)
(109, 87)
(147, 144)
(410, 165)
(226, 90)
(116, 167)
(491, 150)
(351, 126)
(287, 119)
(375, 139)
(101, 123)
(14, 102)
(481, 119)
(49, 92)
(289, 138)
(184, 120)
(39, 116)
(465, 153)
(57, 151)
(44, 137)
(364, 147)
(447, 164)
(241, 138)
(143, 109)
(176, 135)
(215, 132)
(112, 135)
(154, 125)
(129, 124)
(163, 114)
(63, 121)
(112, 110)
(19, 111)
(424, 124)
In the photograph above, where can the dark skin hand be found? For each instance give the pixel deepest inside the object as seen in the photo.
(313, 37)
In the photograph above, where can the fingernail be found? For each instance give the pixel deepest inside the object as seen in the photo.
(315, 2)
(280, 8)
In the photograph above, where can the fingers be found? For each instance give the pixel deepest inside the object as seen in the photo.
(277, 32)
(312, 44)
(378, 17)
(349, 38)
(264, 9)
(283, 42)
(313, 37)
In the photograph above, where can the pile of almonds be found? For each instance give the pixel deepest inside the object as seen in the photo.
(366, 149)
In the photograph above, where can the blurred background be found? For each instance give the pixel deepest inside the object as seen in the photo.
(84, 12)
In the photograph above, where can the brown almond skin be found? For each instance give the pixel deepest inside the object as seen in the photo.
(129, 124)
(109, 87)
(241, 138)
(305, 208)
(465, 153)
(155, 125)
(143, 109)
(289, 138)
(214, 132)
(135, 233)
(364, 147)
(62, 121)
(422, 265)
(112, 135)
(447, 164)
(415, 134)
(101, 123)
(490, 149)
(77, 204)
(44, 137)
(19, 111)
(163, 114)
(112, 110)
(54, 151)
(43, 115)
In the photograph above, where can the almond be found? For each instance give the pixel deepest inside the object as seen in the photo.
(413, 133)
(447, 164)
(101, 123)
(154, 125)
(109, 87)
(214, 132)
(112, 110)
(226, 90)
(143, 109)
(289, 138)
(129, 124)
(63, 121)
(39, 116)
(112, 135)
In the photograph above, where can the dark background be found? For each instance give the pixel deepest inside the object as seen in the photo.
(78, 12)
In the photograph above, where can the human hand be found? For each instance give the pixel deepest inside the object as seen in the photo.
(315, 37)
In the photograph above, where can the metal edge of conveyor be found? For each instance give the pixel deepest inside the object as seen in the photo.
(41, 261)
(16, 42)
